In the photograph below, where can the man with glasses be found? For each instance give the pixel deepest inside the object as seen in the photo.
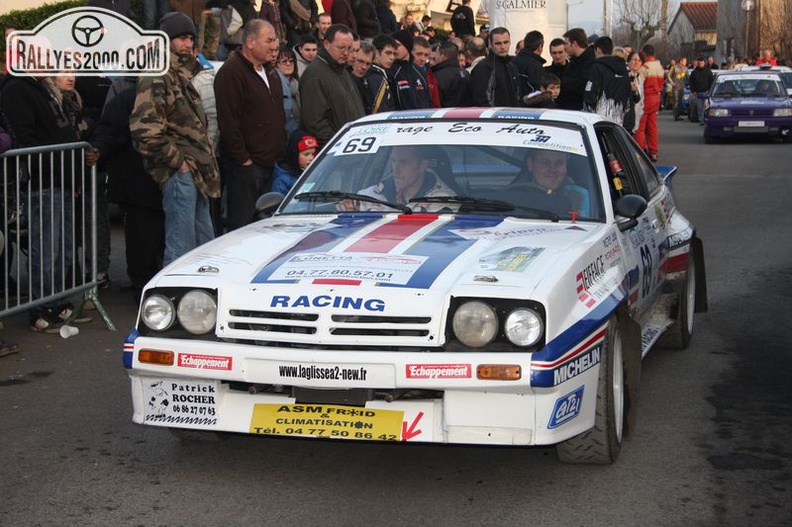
(251, 119)
(364, 58)
(378, 79)
(328, 96)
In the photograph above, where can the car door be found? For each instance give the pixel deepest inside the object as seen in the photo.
(644, 246)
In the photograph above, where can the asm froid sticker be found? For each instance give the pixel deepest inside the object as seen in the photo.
(170, 401)
(566, 408)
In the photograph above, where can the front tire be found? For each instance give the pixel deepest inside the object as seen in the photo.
(678, 334)
(601, 444)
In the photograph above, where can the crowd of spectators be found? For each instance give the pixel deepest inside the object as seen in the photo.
(188, 153)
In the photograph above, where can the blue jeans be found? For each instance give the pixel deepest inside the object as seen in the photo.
(188, 222)
(153, 10)
(50, 262)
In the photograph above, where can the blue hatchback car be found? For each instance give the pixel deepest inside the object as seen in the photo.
(749, 103)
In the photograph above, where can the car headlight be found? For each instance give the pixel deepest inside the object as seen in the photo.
(523, 327)
(475, 324)
(718, 112)
(782, 112)
(158, 312)
(197, 312)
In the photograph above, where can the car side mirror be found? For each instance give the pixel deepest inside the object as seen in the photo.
(267, 203)
(666, 172)
(630, 206)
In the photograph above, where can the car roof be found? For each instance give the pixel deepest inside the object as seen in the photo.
(507, 114)
(770, 68)
(743, 73)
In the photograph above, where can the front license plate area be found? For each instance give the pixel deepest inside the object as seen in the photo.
(324, 420)
(751, 124)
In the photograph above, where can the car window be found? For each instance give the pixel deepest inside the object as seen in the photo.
(613, 150)
(477, 167)
(645, 170)
(748, 85)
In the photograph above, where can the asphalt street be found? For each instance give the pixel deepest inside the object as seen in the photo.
(712, 445)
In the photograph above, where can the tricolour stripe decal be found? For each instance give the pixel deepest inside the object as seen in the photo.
(129, 348)
(318, 241)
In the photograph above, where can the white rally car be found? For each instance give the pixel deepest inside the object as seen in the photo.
(481, 276)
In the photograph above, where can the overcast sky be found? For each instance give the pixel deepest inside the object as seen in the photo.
(587, 15)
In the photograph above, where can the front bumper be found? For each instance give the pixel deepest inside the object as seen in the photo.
(731, 126)
(385, 396)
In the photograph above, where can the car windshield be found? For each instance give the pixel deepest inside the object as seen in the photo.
(758, 85)
(524, 169)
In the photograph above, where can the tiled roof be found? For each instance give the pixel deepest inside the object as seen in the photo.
(703, 16)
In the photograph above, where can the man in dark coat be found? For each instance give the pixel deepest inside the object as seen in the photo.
(576, 74)
(411, 87)
(328, 96)
(608, 89)
(130, 186)
(378, 79)
(368, 24)
(529, 62)
(387, 20)
(453, 81)
(463, 21)
(495, 80)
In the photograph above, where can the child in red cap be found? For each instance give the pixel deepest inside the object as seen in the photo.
(300, 151)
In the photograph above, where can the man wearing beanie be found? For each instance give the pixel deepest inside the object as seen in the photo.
(169, 130)
(328, 96)
(410, 85)
(495, 80)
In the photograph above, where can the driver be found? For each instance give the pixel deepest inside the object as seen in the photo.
(551, 188)
(410, 178)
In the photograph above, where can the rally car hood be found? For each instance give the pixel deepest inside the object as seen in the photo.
(343, 280)
(396, 251)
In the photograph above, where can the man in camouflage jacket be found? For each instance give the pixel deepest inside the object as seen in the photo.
(169, 130)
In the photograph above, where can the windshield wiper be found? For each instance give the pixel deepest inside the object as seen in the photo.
(334, 194)
(488, 204)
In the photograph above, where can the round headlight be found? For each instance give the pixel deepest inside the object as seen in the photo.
(197, 312)
(524, 327)
(475, 324)
(157, 312)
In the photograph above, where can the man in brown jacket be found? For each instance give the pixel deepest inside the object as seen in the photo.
(251, 120)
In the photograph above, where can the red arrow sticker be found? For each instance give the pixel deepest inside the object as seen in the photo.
(409, 433)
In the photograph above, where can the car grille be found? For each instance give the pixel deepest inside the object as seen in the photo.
(744, 112)
(269, 325)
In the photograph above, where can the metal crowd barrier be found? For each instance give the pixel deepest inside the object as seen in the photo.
(48, 219)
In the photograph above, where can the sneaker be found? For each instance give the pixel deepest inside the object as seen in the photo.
(8, 348)
(103, 280)
(67, 312)
(46, 323)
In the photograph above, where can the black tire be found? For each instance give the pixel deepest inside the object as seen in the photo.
(601, 445)
(678, 334)
(193, 436)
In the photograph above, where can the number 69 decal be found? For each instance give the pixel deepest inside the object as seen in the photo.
(357, 145)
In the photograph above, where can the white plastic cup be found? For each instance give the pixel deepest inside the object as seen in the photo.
(68, 331)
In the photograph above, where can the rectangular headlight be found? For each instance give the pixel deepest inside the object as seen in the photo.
(782, 112)
(718, 112)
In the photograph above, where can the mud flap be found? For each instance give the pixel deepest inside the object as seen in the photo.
(697, 246)
(631, 355)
